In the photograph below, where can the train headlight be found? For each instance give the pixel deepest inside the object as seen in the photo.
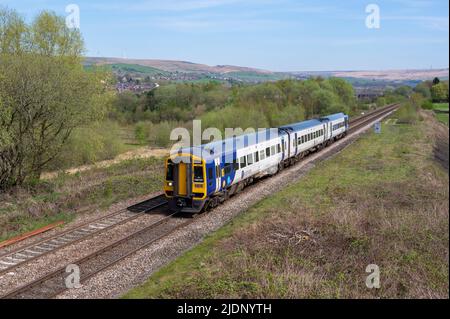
(170, 184)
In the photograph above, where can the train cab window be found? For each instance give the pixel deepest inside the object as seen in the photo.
(198, 174)
(268, 152)
(256, 157)
(210, 173)
(169, 173)
(250, 159)
(262, 155)
(243, 162)
(272, 150)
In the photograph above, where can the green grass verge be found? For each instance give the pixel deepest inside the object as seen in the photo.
(442, 117)
(440, 106)
(382, 200)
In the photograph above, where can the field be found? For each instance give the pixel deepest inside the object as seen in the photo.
(441, 112)
(383, 201)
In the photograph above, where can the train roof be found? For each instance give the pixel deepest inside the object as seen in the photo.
(334, 117)
(312, 123)
(208, 150)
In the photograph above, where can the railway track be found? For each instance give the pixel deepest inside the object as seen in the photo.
(361, 121)
(23, 255)
(53, 283)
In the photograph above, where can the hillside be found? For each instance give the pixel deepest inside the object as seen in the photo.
(153, 70)
(176, 66)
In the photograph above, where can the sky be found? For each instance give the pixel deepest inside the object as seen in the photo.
(277, 35)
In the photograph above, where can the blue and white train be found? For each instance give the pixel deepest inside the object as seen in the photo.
(202, 177)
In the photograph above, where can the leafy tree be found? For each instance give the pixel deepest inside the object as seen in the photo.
(439, 92)
(436, 81)
(424, 89)
(45, 92)
(404, 90)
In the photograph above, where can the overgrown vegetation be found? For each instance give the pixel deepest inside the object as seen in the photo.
(383, 201)
(61, 198)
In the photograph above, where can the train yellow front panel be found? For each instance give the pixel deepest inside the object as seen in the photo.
(182, 180)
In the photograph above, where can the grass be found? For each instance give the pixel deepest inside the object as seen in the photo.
(442, 117)
(383, 200)
(28, 208)
(440, 106)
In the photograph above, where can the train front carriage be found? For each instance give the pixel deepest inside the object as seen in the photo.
(186, 183)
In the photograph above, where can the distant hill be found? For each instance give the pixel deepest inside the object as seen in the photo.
(384, 75)
(175, 66)
(188, 71)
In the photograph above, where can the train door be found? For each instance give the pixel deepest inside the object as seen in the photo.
(183, 174)
(218, 173)
(283, 149)
(324, 138)
(346, 122)
(182, 179)
(228, 172)
(289, 144)
(296, 143)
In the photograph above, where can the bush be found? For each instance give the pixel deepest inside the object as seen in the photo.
(141, 133)
(407, 114)
(427, 105)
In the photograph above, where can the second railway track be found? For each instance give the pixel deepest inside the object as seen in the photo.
(11, 260)
(54, 283)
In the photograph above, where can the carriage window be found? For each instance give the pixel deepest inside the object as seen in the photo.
(198, 174)
(169, 173)
(243, 162)
(262, 155)
(210, 173)
(250, 159)
(256, 157)
(279, 148)
(272, 150)
(268, 151)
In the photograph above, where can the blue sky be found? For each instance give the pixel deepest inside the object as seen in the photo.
(279, 35)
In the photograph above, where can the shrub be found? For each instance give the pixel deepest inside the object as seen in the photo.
(427, 105)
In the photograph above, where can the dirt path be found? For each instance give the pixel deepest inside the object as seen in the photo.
(143, 152)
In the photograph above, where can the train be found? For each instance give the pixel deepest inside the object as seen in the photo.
(202, 177)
